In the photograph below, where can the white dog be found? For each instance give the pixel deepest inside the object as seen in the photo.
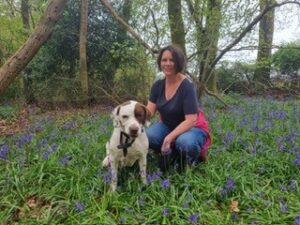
(129, 142)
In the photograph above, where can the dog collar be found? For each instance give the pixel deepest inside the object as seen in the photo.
(125, 145)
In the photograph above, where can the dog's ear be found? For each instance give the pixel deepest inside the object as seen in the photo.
(145, 112)
(148, 116)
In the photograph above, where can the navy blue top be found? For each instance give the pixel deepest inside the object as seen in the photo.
(183, 102)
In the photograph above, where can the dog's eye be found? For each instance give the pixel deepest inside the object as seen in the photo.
(125, 117)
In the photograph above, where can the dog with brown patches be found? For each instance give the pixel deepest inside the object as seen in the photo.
(129, 142)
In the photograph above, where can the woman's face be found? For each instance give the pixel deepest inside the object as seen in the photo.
(167, 64)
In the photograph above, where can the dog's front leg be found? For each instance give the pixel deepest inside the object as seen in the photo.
(143, 168)
(114, 176)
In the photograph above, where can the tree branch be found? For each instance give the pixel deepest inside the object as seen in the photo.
(244, 32)
(127, 26)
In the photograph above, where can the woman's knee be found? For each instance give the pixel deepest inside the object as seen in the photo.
(156, 134)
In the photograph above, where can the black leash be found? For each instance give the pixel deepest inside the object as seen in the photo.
(125, 145)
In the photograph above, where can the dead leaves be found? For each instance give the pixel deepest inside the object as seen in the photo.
(34, 207)
(234, 206)
(17, 124)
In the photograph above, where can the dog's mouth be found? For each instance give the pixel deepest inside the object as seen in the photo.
(133, 135)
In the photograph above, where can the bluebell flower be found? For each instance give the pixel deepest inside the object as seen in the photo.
(24, 139)
(296, 161)
(65, 160)
(107, 177)
(230, 185)
(122, 220)
(234, 216)
(223, 193)
(193, 218)
(70, 125)
(165, 211)
(141, 202)
(79, 206)
(4, 150)
(283, 205)
(154, 176)
(297, 220)
(185, 205)
(165, 184)
(49, 151)
(292, 186)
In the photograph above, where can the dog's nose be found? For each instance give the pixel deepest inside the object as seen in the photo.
(133, 130)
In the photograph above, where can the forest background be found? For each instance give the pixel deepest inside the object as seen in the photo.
(104, 52)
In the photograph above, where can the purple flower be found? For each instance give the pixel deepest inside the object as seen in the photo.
(42, 143)
(223, 193)
(193, 218)
(165, 211)
(165, 184)
(48, 152)
(141, 202)
(230, 185)
(154, 176)
(79, 206)
(107, 177)
(185, 205)
(234, 216)
(4, 150)
(283, 205)
(292, 185)
(70, 125)
(296, 161)
(297, 220)
(65, 160)
(24, 139)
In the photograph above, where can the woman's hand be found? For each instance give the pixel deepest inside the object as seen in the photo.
(166, 146)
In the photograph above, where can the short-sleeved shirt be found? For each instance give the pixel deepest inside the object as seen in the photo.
(183, 102)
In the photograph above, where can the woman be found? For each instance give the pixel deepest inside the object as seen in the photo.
(182, 133)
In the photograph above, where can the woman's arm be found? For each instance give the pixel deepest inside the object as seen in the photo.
(188, 123)
(151, 107)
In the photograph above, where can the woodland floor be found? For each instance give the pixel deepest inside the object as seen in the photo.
(21, 120)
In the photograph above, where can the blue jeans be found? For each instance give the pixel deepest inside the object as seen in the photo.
(186, 145)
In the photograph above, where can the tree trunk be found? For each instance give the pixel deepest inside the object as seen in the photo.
(176, 23)
(25, 14)
(266, 31)
(82, 51)
(26, 82)
(10, 70)
(208, 35)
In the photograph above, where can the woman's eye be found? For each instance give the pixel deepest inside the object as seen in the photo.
(125, 117)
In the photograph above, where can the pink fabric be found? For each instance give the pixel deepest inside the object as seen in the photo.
(203, 124)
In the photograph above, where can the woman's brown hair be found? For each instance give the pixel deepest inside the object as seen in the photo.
(178, 57)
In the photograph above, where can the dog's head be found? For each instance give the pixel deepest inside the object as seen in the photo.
(131, 116)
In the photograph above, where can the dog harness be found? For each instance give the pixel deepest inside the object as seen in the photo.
(125, 145)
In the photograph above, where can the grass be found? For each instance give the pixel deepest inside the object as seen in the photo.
(51, 174)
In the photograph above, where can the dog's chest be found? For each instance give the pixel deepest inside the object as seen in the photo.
(137, 150)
